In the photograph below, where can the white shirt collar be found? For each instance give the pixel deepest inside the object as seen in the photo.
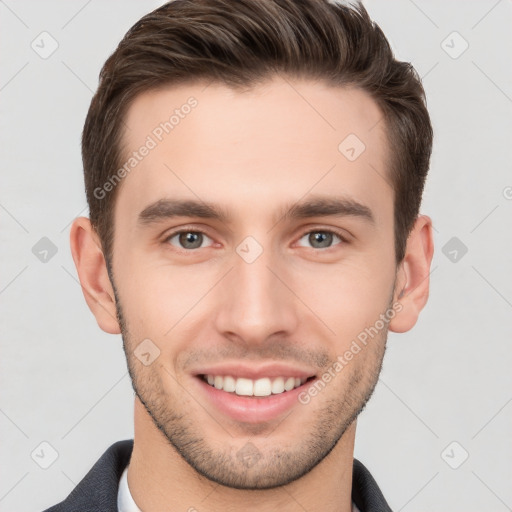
(125, 501)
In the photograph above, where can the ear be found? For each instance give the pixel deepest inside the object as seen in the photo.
(413, 276)
(92, 272)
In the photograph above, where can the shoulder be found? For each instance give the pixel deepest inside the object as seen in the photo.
(97, 491)
(366, 494)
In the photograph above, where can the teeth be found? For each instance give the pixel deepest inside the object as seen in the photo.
(229, 384)
(278, 385)
(289, 384)
(262, 387)
(259, 387)
(218, 382)
(243, 387)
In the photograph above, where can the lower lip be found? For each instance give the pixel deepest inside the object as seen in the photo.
(252, 409)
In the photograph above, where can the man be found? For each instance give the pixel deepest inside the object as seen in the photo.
(254, 172)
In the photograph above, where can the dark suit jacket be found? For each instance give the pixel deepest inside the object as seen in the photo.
(97, 491)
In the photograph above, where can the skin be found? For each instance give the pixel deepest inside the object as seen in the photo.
(253, 153)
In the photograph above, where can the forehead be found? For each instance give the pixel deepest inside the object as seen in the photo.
(271, 144)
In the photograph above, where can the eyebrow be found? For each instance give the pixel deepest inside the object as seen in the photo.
(328, 206)
(168, 208)
(316, 206)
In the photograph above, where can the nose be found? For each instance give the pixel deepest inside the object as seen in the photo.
(256, 301)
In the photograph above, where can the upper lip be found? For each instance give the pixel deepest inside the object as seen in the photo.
(254, 372)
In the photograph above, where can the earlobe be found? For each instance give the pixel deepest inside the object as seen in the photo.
(412, 283)
(92, 272)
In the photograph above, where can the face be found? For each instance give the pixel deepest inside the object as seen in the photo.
(253, 251)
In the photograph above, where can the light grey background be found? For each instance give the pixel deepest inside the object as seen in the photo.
(63, 381)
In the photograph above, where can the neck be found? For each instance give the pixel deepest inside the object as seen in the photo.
(160, 479)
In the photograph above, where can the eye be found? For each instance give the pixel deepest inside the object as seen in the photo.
(321, 239)
(187, 239)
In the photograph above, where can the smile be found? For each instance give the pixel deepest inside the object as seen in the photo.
(249, 387)
(256, 400)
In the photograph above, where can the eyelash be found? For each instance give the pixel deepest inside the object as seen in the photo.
(316, 230)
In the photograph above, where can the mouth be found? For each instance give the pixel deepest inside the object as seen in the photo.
(257, 388)
(247, 396)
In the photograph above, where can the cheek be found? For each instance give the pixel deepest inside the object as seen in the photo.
(347, 297)
(159, 299)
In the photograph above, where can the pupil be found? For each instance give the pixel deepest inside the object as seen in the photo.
(320, 237)
(190, 240)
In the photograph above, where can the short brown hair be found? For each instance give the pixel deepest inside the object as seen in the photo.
(242, 43)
